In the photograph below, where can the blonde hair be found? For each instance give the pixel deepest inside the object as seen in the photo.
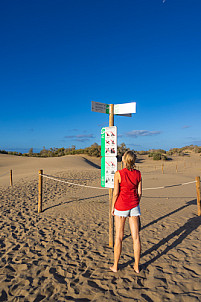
(129, 159)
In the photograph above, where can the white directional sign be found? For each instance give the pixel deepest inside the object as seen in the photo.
(109, 141)
(100, 107)
(125, 108)
(108, 169)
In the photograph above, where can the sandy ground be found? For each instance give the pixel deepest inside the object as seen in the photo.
(62, 254)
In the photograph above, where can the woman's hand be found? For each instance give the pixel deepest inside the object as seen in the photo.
(115, 191)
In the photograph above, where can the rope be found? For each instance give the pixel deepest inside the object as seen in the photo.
(71, 183)
(186, 183)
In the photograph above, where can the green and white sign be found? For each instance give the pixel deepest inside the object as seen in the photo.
(108, 169)
(108, 153)
(100, 107)
(109, 141)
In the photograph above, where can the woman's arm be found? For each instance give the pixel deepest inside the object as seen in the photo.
(116, 190)
(140, 190)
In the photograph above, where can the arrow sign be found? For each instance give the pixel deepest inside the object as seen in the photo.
(125, 108)
(119, 109)
(100, 107)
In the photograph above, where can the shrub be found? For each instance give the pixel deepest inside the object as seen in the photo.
(3, 152)
(157, 156)
(143, 152)
(121, 149)
(197, 149)
(93, 150)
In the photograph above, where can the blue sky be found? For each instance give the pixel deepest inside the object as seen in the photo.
(58, 56)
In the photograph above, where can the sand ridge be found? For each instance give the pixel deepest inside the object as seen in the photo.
(62, 254)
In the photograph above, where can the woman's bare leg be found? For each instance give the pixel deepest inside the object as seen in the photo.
(119, 226)
(134, 227)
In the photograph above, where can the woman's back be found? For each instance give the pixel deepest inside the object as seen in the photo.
(128, 195)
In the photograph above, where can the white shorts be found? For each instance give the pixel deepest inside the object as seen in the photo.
(132, 212)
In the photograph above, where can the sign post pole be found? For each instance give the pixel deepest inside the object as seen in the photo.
(111, 218)
(109, 150)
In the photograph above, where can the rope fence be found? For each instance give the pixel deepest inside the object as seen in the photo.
(70, 183)
(164, 187)
(41, 175)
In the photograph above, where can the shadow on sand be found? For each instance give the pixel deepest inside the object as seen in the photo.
(189, 203)
(66, 202)
(92, 164)
(180, 234)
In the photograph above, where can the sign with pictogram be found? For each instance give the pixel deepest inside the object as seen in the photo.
(108, 169)
(109, 141)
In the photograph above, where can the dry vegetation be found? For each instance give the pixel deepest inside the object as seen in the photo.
(95, 150)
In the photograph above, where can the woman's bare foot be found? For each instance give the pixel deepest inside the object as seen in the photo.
(113, 268)
(136, 269)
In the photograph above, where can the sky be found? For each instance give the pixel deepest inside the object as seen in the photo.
(58, 56)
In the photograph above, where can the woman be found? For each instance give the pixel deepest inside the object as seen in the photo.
(125, 203)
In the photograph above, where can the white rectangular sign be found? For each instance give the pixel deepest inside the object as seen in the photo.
(100, 107)
(125, 108)
(109, 141)
(108, 169)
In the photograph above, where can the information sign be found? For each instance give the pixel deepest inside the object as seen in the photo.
(125, 108)
(108, 169)
(100, 107)
(109, 141)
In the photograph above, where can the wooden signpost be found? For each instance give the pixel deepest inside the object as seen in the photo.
(122, 110)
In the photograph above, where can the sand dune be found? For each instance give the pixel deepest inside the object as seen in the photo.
(28, 167)
(62, 254)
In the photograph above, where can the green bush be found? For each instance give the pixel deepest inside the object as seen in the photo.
(157, 156)
(143, 152)
(121, 149)
(3, 152)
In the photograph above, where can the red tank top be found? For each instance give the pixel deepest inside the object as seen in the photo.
(128, 195)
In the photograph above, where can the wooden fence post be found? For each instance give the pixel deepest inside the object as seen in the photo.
(111, 218)
(176, 169)
(163, 168)
(11, 178)
(198, 194)
(40, 190)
